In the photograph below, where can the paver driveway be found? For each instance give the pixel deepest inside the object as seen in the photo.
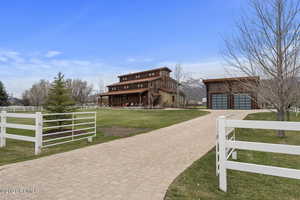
(134, 168)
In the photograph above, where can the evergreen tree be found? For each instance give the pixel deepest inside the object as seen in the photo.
(3, 95)
(59, 98)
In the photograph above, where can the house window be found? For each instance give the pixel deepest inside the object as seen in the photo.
(137, 76)
(140, 85)
(152, 74)
(125, 78)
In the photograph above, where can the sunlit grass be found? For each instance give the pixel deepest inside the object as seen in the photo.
(146, 120)
(200, 182)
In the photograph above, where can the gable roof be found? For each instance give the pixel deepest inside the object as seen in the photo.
(151, 70)
(135, 81)
(248, 78)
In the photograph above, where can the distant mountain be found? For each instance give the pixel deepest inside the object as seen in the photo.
(194, 89)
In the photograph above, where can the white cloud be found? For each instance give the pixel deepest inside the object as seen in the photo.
(214, 68)
(140, 60)
(3, 59)
(131, 60)
(19, 71)
(51, 54)
(12, 56)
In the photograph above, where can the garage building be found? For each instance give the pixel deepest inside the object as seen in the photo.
(231, 93)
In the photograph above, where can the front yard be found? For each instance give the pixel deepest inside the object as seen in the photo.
(111, 124)
(199, 181)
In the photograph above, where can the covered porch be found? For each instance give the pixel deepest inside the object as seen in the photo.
(127, 98)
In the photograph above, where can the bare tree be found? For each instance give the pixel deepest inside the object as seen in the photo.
(101, 85)
(37, 94)
(178, 76)
(268, 45)
(80, 90)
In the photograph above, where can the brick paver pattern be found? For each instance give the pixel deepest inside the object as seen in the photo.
(134, 168)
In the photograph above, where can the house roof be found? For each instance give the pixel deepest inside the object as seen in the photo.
(124, 92)
(136, 81)
(249, 78)
(151, 70)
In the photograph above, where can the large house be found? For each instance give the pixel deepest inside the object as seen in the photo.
(231, 93)
(151, 88)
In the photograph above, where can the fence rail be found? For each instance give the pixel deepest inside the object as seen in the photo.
(49, 132)
(40, 108)
(68, 127)
(21, 108)
(224, 143)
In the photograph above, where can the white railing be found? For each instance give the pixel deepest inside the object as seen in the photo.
(296, 110)
(21, 108)
(230, 135)
(60, 128)
(44, 134)
(40, 108)
(36, 128)
(224, 143)
(87, 107)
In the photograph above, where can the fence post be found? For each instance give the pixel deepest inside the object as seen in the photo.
(38, 133)
(73, 118)
(234, 155)
(217, 148)
(222, 153)
(3, 129)
(90, 139)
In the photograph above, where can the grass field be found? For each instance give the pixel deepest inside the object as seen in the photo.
(200, 182)
(130, 122)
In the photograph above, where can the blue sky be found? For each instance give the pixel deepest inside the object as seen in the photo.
(97, 40)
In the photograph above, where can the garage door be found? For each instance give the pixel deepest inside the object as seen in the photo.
(219, 101)
(242, 102)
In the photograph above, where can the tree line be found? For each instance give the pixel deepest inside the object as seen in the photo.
(80, 91)
(3, 95)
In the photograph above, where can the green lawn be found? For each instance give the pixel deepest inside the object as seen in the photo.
(197, 107)
(139, 120)
(199, 181)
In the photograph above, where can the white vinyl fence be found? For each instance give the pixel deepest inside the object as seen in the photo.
(36, 128)
(227, 145)
(296, 110)
(21, 108)
(88, 107)
(49, 129)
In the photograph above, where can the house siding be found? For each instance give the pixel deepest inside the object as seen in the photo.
(148, 88)
(230, 87)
